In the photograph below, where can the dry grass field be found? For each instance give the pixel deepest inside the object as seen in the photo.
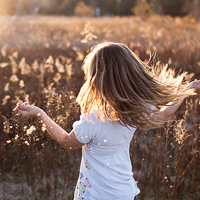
(41, 62)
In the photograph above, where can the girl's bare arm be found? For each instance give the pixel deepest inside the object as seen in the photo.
(166, 112)
(171, 108)
(66, 140)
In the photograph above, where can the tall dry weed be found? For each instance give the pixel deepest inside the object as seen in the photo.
(44, 67)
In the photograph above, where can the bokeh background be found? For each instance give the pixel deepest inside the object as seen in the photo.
(42, 48)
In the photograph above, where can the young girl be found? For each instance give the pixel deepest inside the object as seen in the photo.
(121, 93)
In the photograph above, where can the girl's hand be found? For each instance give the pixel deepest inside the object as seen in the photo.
(66, 140)
(194, 85)
(29, 111)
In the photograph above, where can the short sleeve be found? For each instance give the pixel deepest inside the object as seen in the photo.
(85, 129)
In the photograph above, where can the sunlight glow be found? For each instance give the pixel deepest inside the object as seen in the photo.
(6, 7)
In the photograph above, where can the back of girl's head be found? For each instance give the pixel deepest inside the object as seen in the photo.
(121, 86)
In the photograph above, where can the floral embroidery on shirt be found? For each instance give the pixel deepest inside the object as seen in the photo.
(83, 188)
(87, 165)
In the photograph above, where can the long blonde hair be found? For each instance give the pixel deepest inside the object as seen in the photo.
(123, 88)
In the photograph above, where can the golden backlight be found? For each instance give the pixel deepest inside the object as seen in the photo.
(7, 7)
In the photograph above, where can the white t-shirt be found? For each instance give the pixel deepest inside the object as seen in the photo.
(106, 170)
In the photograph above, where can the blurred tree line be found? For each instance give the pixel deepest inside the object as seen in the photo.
(101, 7)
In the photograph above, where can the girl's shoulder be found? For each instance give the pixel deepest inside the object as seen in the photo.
(94, 117)
(88, 127)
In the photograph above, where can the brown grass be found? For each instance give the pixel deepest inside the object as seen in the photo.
(40, 61)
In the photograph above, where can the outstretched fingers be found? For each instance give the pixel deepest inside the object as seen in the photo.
(27, 110)
(24, 110)
(195, 85)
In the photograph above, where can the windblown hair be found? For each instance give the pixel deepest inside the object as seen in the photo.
(120, 87)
